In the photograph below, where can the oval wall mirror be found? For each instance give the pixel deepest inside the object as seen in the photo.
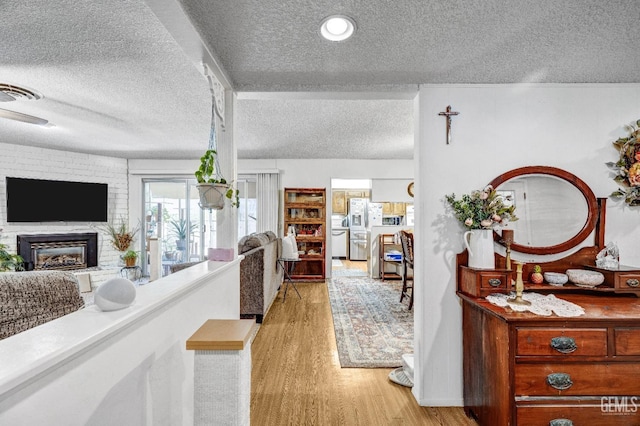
(556, 210)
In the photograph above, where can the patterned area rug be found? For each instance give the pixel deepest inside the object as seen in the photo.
(373, 330)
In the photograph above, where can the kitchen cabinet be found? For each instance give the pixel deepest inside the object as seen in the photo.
(357, 193)
(305, 213)
(399, 209)
(387, 209)
(339, 202)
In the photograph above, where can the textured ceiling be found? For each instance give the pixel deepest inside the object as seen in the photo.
(116, 82)
(275, 45)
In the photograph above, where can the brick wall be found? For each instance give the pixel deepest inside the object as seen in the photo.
(38, 163)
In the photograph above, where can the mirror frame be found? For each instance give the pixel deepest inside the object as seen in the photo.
(592, 204)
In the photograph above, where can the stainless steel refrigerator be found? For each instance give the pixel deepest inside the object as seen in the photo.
(358, 229)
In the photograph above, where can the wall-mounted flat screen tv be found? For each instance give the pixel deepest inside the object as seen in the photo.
(37, 200)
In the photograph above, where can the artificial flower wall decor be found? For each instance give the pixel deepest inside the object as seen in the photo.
(627, 168)
(482, 209)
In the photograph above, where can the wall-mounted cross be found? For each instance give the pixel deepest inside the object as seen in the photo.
(447, 114)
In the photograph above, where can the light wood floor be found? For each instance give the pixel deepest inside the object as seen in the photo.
(352, 264)
(297, 378)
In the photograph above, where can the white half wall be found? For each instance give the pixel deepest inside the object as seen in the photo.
(501, 127)
(126, 367)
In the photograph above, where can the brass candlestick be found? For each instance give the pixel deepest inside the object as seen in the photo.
(518, 300)
(507, 240)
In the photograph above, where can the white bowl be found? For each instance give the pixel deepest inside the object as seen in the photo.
(585, 278)
(556, 278)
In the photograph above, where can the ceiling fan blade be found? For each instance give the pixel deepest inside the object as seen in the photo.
(12, 115)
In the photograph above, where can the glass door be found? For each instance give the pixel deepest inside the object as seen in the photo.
(173, 215)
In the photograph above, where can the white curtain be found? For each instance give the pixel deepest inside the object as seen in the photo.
(268, 201)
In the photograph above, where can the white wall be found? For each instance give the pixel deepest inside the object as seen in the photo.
(499, 128)
(39, 163)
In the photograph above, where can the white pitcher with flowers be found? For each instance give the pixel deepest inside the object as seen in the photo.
(480, 212)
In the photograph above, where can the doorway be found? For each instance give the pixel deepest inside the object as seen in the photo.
(350, 228)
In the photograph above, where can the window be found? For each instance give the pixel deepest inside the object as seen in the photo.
(247, 212)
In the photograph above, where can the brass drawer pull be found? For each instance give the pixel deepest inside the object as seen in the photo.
(495, 282)
(559, 381)
(564, 345)
(560, 422)
(633, 282)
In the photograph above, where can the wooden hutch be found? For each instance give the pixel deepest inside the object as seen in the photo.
(305, 211)
(524, 369)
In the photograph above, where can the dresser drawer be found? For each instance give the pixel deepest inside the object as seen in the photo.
(481, 282)
(623, 411)
(561, 341)
(616, 378)
(627, 281)
(627, 341)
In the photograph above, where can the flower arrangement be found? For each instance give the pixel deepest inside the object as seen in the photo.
(627, 168)
(482, 209)
(120, 234)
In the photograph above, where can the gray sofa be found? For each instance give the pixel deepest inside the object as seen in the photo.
(260, 274)
(31, 298)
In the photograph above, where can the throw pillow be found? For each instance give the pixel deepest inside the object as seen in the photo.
(289, 247)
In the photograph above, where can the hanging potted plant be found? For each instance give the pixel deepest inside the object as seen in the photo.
(213, 188)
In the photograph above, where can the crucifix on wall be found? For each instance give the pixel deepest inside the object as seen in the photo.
(447, 114)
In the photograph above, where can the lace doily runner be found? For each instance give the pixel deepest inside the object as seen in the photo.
(540, 304)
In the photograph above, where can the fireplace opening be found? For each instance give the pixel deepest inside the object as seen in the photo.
(43, 252)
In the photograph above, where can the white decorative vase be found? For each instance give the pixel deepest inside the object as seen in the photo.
(479, 244)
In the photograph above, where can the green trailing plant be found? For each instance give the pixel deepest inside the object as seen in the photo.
(207, 173)
(8, 261)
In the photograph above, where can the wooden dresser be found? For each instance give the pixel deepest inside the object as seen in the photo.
(525, 369)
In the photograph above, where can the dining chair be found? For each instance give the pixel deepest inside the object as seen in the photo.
(406, 240)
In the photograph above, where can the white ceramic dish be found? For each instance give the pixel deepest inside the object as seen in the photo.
(556, 278)
(585, 278)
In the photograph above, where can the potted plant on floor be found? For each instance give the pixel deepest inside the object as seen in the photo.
(213, 188)
(8, 261)
(130, 258)
(182, 232)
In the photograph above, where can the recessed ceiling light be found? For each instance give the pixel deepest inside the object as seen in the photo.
(337, 27)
